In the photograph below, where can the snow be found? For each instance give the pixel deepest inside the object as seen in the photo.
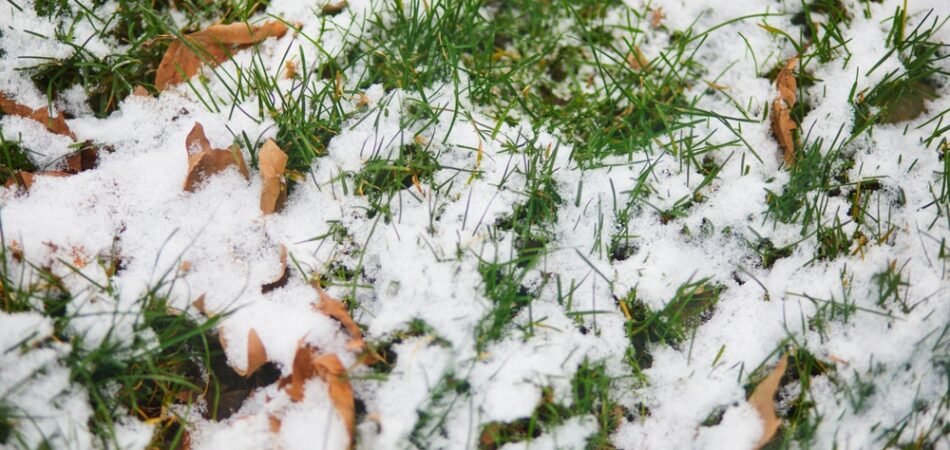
(424, 264)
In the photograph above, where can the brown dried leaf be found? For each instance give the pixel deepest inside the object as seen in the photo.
(256, 354)
(782, 126)
(637, 61)
(785, 82)
(25, 179)
(782, 123)
(656, 17)
(199, 304)
(331, 370)
(334, 8)
(273, 163)
(85, 159)
(763, 400)
(214, 45)
(284, 273)
(203, 161)
(55, 125)
(140, 91)
(335, 309)
(274, 424)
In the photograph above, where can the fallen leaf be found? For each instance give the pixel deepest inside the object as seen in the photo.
(55, 125)
(25, 179)
(203, 161)
(256, 354)
(273, 163)
(636, 60)
(335, 309)
(140, 91)
(763, 400)
(785, 82)
(199, 304)
(274, 424)
(284, 273)
(334, 8)
(656, 17)
(307, 363)
(782, 122)
(85, 159)
(214, 45)
(330, 369)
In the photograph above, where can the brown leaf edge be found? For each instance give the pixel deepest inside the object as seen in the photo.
(308, 363)
(214, 45)
(203, 161)
(273, 163)
(284, 273)
(256, 354)
(331, 9)
(84, 159)
(763, 400)
(782, 122)
(335, 309)
(637, 60)
(55, 125)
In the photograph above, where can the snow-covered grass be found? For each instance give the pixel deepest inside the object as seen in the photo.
(559, 224)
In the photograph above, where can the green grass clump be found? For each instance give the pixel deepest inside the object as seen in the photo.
(164, 363)
(13, 159)
(692, 305)
(900, 96)
(590, 396)
(381, 179)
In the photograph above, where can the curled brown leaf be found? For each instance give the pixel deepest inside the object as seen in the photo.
(782, 122)
(307, 364)
(335, 309)
(203, 161)
(763, 400)
(256, 354)
(273, 163)
(334, 8)
(213, 45)
(84, 159)
(55, 125)
(284, 273)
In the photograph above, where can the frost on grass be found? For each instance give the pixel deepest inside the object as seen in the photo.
(558, 225)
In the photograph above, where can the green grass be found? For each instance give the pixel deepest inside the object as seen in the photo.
(590, 396)
(553, 65)
(693, 304)
(168, 356)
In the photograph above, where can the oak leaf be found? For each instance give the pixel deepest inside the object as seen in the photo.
(213, 45)
(203, 161)
(273, 163)
(763, 400)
